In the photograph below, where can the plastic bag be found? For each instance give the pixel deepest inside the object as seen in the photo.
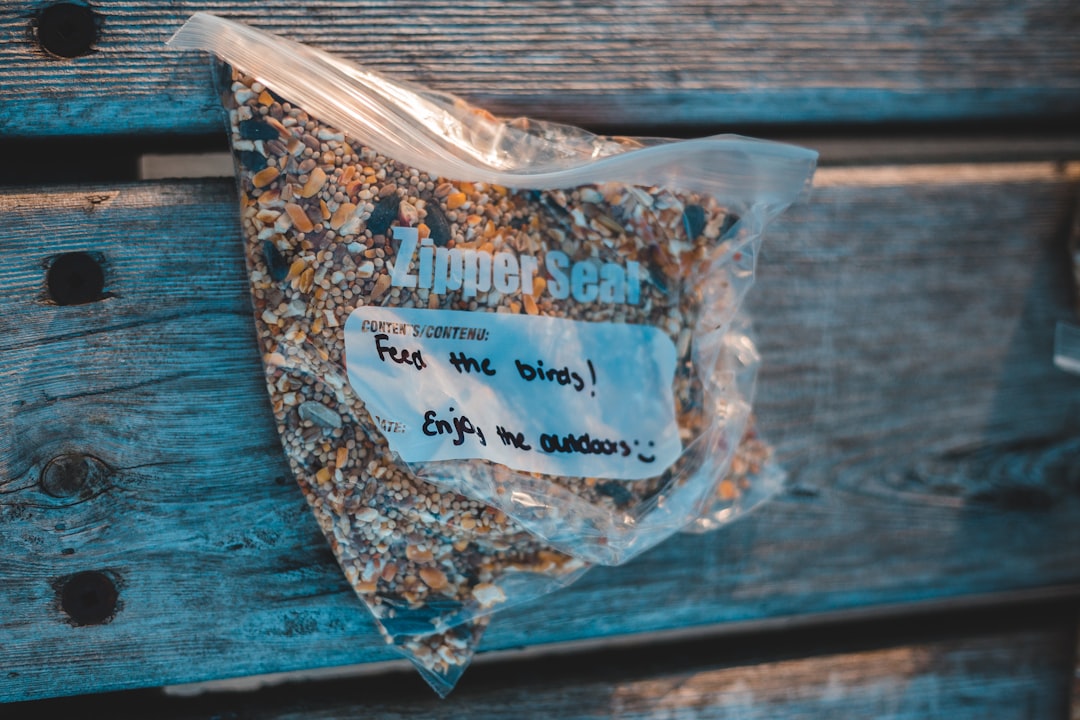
(497, 350)
(752, 475)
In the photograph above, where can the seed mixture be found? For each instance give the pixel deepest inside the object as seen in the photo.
(318, 213)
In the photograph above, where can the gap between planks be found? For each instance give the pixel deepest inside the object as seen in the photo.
(901, 160)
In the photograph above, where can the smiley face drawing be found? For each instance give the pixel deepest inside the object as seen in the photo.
(645, 458)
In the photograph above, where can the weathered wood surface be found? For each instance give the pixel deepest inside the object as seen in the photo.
(937, 671)
(625, 63)
(905, 316)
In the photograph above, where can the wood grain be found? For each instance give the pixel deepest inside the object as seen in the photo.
(617, 64)
(906, 320)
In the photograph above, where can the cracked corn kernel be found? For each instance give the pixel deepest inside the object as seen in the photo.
(433, 578)
(265, 176)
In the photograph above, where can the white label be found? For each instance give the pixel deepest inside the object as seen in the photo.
(537, 394)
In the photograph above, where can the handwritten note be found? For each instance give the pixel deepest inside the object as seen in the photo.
(537, 394)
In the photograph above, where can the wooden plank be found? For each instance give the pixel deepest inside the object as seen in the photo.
(634, 63)
(995, 674)
(906, 318)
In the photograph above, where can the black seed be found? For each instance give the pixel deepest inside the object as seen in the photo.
(616, 491)
(252, 160)
(256, 129)
(438, 225)
(729, 222)
(656, 274)
(693, 219)
(280, 100)
(557, 210)
(223, 77)
(275, 262)
(385, 212)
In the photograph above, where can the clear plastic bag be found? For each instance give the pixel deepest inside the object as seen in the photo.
(497, 351)
(752, 475)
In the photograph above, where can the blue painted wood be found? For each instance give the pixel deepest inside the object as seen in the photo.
(618, 64)
(906, 319)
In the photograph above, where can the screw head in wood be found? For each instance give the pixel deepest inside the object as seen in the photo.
(75, 279)
(67, 29)
(89, 598)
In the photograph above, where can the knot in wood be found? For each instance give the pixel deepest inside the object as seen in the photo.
(72, 474)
